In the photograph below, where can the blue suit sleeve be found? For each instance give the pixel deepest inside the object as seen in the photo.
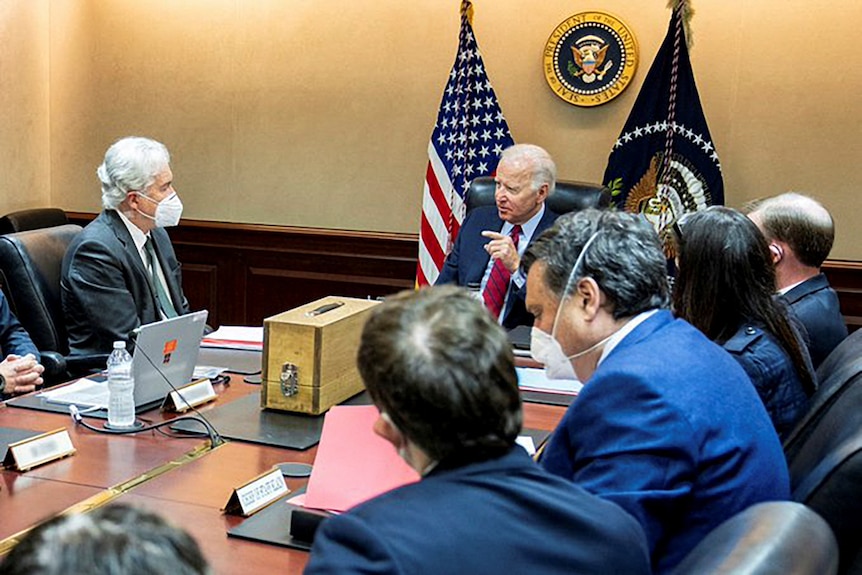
(629, 447)
(13, 337)
(347, 544)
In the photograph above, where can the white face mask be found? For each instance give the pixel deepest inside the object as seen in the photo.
(168, 211)
(546, 349)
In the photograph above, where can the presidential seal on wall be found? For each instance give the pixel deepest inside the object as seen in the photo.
(590, 58)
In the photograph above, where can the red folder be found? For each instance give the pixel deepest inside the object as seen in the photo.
(353, 464)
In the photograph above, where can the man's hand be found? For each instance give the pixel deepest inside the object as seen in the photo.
(22, 374)
(502, 248)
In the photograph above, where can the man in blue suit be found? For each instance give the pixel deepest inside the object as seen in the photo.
(442, 374)
(667, 425)
(20, 370)
(525, 177)
(800, 233)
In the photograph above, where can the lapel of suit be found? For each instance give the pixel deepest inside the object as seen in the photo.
(489, 221)
(131, 253)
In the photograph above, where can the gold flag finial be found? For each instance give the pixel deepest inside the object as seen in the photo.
(467, 8)
(686, 13)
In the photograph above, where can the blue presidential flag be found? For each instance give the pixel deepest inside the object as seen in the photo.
(664, 163)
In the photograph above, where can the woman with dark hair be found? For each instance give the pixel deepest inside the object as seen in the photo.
(725, 287)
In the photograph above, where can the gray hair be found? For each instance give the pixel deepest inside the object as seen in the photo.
(543, 170)
(112, 540)
(625, 259)
(131, 164)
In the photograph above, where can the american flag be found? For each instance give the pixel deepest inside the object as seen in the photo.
(469, 135)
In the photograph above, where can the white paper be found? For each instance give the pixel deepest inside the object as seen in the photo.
(527, 443)
(534, 379)
(235, 337)
(84, 392)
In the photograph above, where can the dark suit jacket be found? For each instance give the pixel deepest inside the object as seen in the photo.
(504, 515)
(670, 428)
(816, 307)
(106, 290)
(13, 337)
(468, 260)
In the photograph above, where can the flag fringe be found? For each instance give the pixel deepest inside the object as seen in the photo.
(467, 7)
(687, 12)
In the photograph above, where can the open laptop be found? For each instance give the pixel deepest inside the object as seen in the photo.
(165, 351)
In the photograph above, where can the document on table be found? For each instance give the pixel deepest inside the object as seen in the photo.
(235, 337)
(534, 379)
(83, 393)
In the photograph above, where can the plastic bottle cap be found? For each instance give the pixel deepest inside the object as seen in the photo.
(119, 345)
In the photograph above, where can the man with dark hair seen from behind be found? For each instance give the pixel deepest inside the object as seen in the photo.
(488, 248)
(121, 271)
(113, 540)
(800, 232)
(668, 425)
(442, 374)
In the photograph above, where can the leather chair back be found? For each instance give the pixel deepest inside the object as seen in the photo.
(33, 219)
(30, 264)
(569, 196)
(826, 472)
(833, 375)
(771, 538)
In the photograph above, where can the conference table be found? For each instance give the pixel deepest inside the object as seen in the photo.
(182, 478)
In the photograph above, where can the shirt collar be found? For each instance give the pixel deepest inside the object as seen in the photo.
(786, 289)
(138, 236)
(624, 331)
(527, 228)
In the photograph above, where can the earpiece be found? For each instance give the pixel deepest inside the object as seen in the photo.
(777, 252)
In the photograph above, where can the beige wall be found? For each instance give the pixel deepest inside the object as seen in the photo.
(318, 112)
(24, 144)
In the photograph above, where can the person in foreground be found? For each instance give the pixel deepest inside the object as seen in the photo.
(20, 370)
(667, 425)
(113, 540)
(800, 233)
(121, 271)
(488, 248)
(725, 287)
(442, 374)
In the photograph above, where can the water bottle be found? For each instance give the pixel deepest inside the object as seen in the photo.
(121, 387)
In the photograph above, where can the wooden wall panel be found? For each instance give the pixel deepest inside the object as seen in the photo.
(243, 273)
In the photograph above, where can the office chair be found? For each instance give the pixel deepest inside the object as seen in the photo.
(772, 538)
(568, 196)
(32, 219)
(826, 472)
(833, 375)
(30, 264)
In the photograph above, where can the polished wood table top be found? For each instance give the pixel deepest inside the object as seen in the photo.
(178, 477)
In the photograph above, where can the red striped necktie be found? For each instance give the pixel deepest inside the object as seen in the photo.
(498, 281)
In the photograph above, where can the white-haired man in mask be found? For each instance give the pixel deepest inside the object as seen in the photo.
(121, 271)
